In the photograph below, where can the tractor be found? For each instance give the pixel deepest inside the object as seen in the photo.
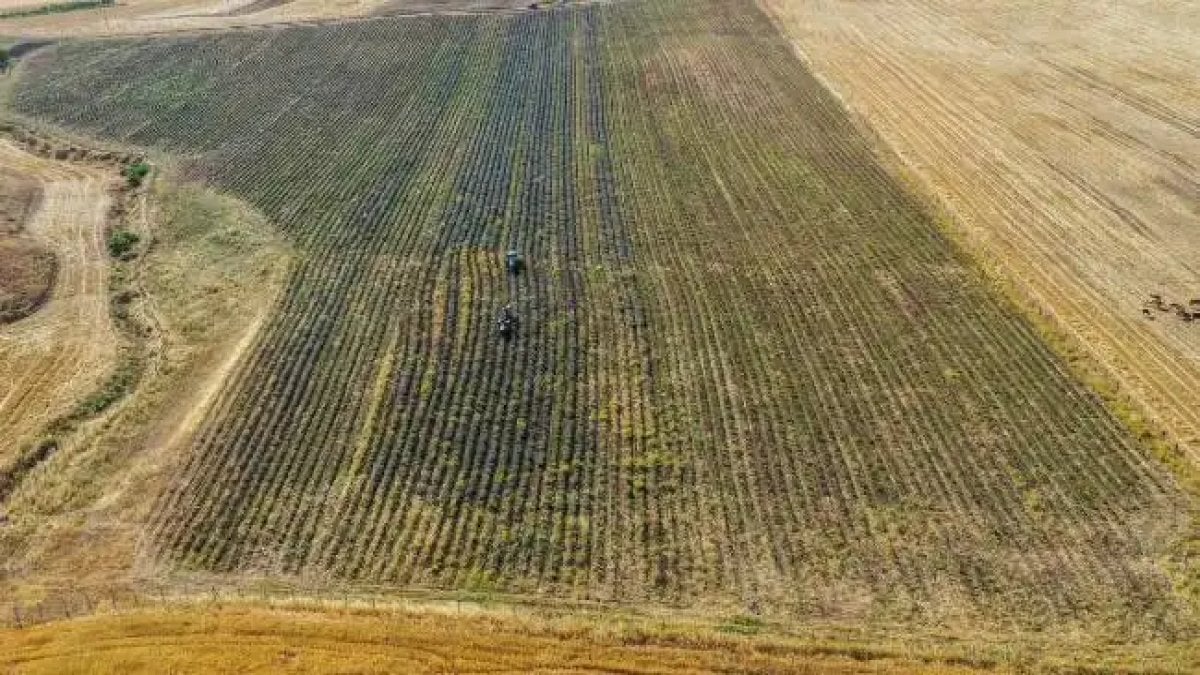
(506, 323)
(514, 262)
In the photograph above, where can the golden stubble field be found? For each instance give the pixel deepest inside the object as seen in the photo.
(54, 357)
(241, 639)
(1063, 138)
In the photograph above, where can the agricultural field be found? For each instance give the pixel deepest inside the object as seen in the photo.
(243, 639)
(750, 373)
(41, 18)
(195, 298)
(1064, 138)
(62, 342)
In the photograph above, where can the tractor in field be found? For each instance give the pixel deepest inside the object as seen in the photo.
(513, 262)
(506, 323)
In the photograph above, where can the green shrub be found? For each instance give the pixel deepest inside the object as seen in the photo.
(121, 244)
(136, 173)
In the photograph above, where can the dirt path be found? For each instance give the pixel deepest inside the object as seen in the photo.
(153, 16)
(60, 353)
(1064, 139)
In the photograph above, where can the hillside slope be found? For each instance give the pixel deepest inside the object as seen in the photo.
(750, 372)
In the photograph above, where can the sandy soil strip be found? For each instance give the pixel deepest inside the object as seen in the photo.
(52, 359)
(154, 16)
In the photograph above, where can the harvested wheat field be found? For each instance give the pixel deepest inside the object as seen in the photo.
(247, 639)
(55, 357)
(1064, 139)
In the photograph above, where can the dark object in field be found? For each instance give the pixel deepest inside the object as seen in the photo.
(533, 6)
(514, 262)
(1187, 314)
(506, 323)
(22, 48)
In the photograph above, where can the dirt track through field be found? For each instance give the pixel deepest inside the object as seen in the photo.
(53, 358)
(1065, 139)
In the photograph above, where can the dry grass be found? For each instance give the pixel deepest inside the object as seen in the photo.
(63, 351)
(151, 16)
(249, 640)
(1064, 140)
(210, 277)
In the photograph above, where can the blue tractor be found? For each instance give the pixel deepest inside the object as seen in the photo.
(514, 262)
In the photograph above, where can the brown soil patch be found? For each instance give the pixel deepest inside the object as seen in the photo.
(18, 196)
(27, 271)
(27, 267)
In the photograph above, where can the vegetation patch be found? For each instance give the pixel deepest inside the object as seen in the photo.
(122, 243)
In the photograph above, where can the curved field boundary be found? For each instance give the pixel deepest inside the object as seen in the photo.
(1067, 155)
(63, 352)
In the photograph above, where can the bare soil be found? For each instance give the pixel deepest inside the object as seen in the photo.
(27, 272)
(18, 196)
(257, 6)
(27, 267)
(132, 17)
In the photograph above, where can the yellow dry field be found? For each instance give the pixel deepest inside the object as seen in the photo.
(53, 358)
(20, 5)
(1063, 140)
(260, 640)
(155, 16)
